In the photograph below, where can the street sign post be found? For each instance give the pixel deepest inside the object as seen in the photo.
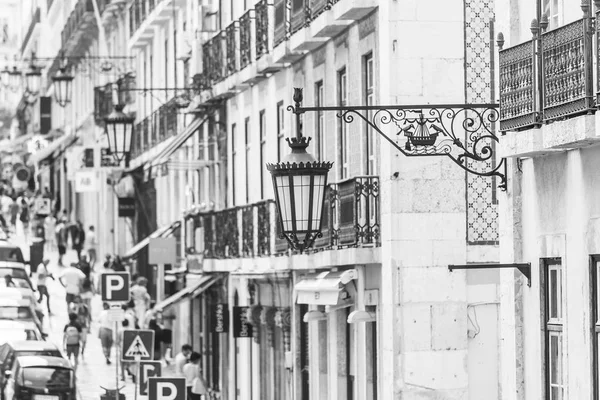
(148, 369)
(166, 389)
(138, 345)
(115, 286)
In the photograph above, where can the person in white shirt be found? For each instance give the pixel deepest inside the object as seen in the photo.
(42, 278)
(91, 243)
(72, 279)
(182, 358)
(141, 299)
(105, 332)
(193, 379)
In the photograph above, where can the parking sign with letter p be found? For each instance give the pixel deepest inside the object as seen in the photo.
(115, 286)
(166, 389)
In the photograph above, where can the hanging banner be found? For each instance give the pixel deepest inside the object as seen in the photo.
(242, 328)
(126, 207)
(221, 318)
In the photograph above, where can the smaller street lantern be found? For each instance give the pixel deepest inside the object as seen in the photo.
(118, 127)
(14, 79)
(62, 87)
(299, 182)
(33, 80)
(5, 76)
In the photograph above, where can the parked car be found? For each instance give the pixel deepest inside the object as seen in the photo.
(11, 252)
(19, 330)
(40, 378)
(20, 310)
(11, 350)
(22, 291)
(15, 270)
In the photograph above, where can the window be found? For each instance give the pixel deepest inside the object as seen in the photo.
(343, 127)
(553, 328)
(280, 130)
(233, 166)
(166, 64)
(595, 315)
(247, 158)
(319, 139)
(368, 99)
(262, 128)
(553, 9)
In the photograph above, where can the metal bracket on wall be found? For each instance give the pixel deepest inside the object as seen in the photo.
(525, 268)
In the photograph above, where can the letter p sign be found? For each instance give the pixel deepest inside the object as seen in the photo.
(115, 286)
(166, 389)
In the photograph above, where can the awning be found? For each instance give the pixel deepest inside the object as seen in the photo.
(59, 145)
(179, 140)
(191, 291)
(165, 231)
(323, 289)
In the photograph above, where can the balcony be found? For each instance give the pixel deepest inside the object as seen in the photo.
(546, 81)
(350, 219)
(144, 14)
(155, 129)
(103, 97)
(80, 28)
(35, 20)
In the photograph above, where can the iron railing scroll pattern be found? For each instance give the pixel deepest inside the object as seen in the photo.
(226, 234)
(216, 59)
(245, 40)
(262, 28)
(230, 49)
(247, 213)
(567, 55)
(263, 226)
(518, 108)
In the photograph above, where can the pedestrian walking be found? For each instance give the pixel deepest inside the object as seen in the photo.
(87, 294)
(72, 339)
(61, 240)
(42, 279)
(84, 266)
(78, 238)
(158, 338)
(130, 315)
(182, 358)
(50, 232)
(83, 319)
(72, 280)
(194, 382)
(105, 332)
(141, 299)
(91, 243)
(125, 365)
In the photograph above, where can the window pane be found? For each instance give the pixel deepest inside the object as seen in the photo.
(554, 359)
(553, 294)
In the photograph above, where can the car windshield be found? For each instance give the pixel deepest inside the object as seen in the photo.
(16, 273)
(46, 378)
(20, 283)
(49, 353)
(14, 312)
(11, 254)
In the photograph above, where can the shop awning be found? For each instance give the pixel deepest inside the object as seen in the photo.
(324, 289)
(191, 291)
(58, 145)
(179, 140)
(165, 231)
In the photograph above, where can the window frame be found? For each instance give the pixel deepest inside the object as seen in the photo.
(248, 147)
(342, 99)
(595, 324)
(233, 161)
(280, 129)
(262, 131)
(552, 327)
(319, 121)
(368, 84)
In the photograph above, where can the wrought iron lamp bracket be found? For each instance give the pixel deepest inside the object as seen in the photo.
(465, 133)
(524, 268)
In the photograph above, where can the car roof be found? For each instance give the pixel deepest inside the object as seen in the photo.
(14, 302)
(43, 361)
(32, 345)
(18, 324)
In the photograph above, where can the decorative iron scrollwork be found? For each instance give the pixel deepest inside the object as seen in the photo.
(460, 132)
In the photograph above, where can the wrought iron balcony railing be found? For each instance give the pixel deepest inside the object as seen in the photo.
(350, 218)
(80, 17)
(138, 12)
(155, 128)
(548, 78)
(231, 49)
(213, 60)
(263, 23)
(282, 19)
(34, 21)
(245, 39)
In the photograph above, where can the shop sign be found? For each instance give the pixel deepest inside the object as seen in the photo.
(86, 181)
(126, 207)
(221, 318)
(242, 327)
(162, 251)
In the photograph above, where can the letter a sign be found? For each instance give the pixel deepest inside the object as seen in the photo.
(115, 286)
(166, 389)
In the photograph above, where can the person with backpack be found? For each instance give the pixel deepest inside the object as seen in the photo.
(72, 339)
(83, 319)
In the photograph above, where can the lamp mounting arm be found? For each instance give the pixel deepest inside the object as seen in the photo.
(465, 133)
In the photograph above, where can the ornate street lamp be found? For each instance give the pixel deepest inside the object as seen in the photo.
(4, 76)
(62, 87)
(33, 80)
(118, 127)
(14, 79)
(299, 182)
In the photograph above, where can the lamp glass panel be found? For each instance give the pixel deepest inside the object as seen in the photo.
(58, 95)
(127, 137)
(15, 80)
(33, 82)
(110, 135)
(283, 191)
(119, 131)
(302, 201)
(5, 76)
(317, 200)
